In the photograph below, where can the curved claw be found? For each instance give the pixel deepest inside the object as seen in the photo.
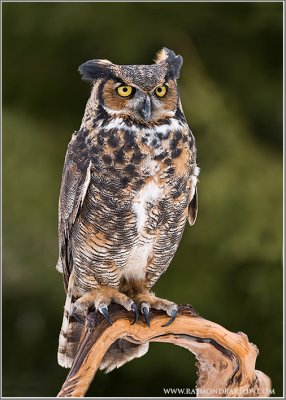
(145, 311)
(104, 312)
(136, 313)
(76, 316)
(172, 319)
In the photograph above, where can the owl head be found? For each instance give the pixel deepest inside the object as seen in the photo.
(144, 93)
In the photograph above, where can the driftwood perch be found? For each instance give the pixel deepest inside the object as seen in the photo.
(226, 360)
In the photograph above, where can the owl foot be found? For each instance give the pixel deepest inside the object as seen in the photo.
(100, 299)
(104, 312)
(149, 300)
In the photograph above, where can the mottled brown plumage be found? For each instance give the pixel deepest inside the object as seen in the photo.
(128, 187)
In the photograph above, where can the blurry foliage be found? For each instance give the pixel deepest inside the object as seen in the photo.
(229, 264)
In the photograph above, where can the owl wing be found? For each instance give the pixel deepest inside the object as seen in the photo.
(75, 182)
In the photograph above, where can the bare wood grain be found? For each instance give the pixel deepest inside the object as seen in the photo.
(226, 360)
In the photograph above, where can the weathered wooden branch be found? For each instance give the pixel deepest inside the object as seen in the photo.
(226, 360)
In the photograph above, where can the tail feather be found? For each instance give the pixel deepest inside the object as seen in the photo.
(70, 332)
(120, 352)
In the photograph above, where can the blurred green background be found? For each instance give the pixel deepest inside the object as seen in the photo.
(228, 265)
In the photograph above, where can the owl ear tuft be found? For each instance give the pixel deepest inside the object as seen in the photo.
(94, 69)
(173, 62)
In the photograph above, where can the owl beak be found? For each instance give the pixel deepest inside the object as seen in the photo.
(146, 109)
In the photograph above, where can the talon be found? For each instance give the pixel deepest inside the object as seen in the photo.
(173, 317)
(104, 312)
(76, 316)
(145, 311)
(136, 313)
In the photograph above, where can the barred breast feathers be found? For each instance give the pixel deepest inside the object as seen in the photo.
(167, 152)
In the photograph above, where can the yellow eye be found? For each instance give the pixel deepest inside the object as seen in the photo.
(124, 91)
(161, 91)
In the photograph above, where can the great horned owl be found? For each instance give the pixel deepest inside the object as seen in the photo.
(128, 187)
